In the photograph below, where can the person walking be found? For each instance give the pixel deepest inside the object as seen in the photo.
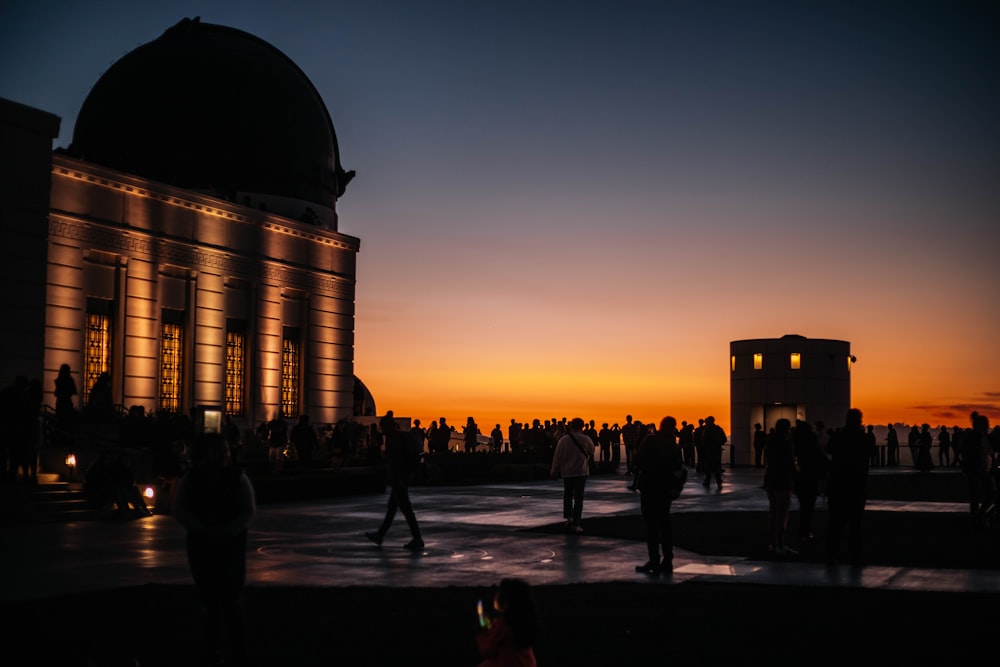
(215, 503)
(779, 480)
(403, 453)
(571, 463)
(847, 491)
(658, 463)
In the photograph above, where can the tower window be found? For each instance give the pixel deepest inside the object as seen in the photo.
(758, 361)
(795, 360)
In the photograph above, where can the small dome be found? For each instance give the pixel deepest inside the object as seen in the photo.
(215, 109)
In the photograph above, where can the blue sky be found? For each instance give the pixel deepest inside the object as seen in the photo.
(573, 207)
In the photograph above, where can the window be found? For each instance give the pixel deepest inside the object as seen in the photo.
(732, 362)
(171, 360)
(98, 345)
(758, 361)
(795, 360)
(290, 354)
(236, 366)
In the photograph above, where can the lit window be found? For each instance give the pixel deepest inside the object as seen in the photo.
(236, 367)
(732, 363)
(758, 361)
(795, 360)
(171, 360)
(290, 354)
(98, 350)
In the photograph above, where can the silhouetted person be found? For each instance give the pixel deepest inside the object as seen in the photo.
(571, 463)
(215, 504)
(304, 438)
(403, 454)
(944, 448)
(713, 439)
(925, 444)
(616, 445)
(509, 634)
(470, 435)
(892, 446)
(847, 488)
(496, 439)
(630, 439)
(277, 440)
(956, 446)
(977, 465)
(440, 441)
(514, 435)
(779, 480)
(64, 392)
(685, 439)
(419, 432)
(912, 442)
(872, 446)
(100, 404)
(759, 443)
(658, 463)
(812, 469)
(18, 425)
(127, 496)
(604, 442)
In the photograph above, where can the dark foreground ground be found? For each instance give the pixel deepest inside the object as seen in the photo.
(694, 622)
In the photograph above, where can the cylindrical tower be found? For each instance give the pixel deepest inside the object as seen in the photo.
(792, 377)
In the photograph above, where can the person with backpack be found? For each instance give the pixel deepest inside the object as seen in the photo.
(403, 452)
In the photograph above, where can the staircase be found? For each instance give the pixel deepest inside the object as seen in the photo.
(50, 500)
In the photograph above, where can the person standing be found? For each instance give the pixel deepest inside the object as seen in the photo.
(496, 439)
(759, 443)
(305, 439)
(657, 461)
(514, 436)
(925, 443)
(470, 435)
(630, 439)
(403, 453)
(812, 468)
(277, 439)
(215, 503)
(892, 446)
(847, 487)
(977, 465)
(64, 392)
(685, 438)
(779, 480)
(571, 463)
(712, 441)
(944, 447)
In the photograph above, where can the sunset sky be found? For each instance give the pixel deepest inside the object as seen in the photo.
(572, 208)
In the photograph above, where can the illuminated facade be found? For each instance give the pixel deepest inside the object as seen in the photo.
(791, 377)
(186, 242)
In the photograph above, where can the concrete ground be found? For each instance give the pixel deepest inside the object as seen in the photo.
(474, 535)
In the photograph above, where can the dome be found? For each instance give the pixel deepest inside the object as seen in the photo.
(215, 109)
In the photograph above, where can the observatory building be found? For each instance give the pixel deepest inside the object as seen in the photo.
(186, 243)
(792, 377)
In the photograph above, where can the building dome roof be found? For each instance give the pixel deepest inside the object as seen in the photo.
(212, 108)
